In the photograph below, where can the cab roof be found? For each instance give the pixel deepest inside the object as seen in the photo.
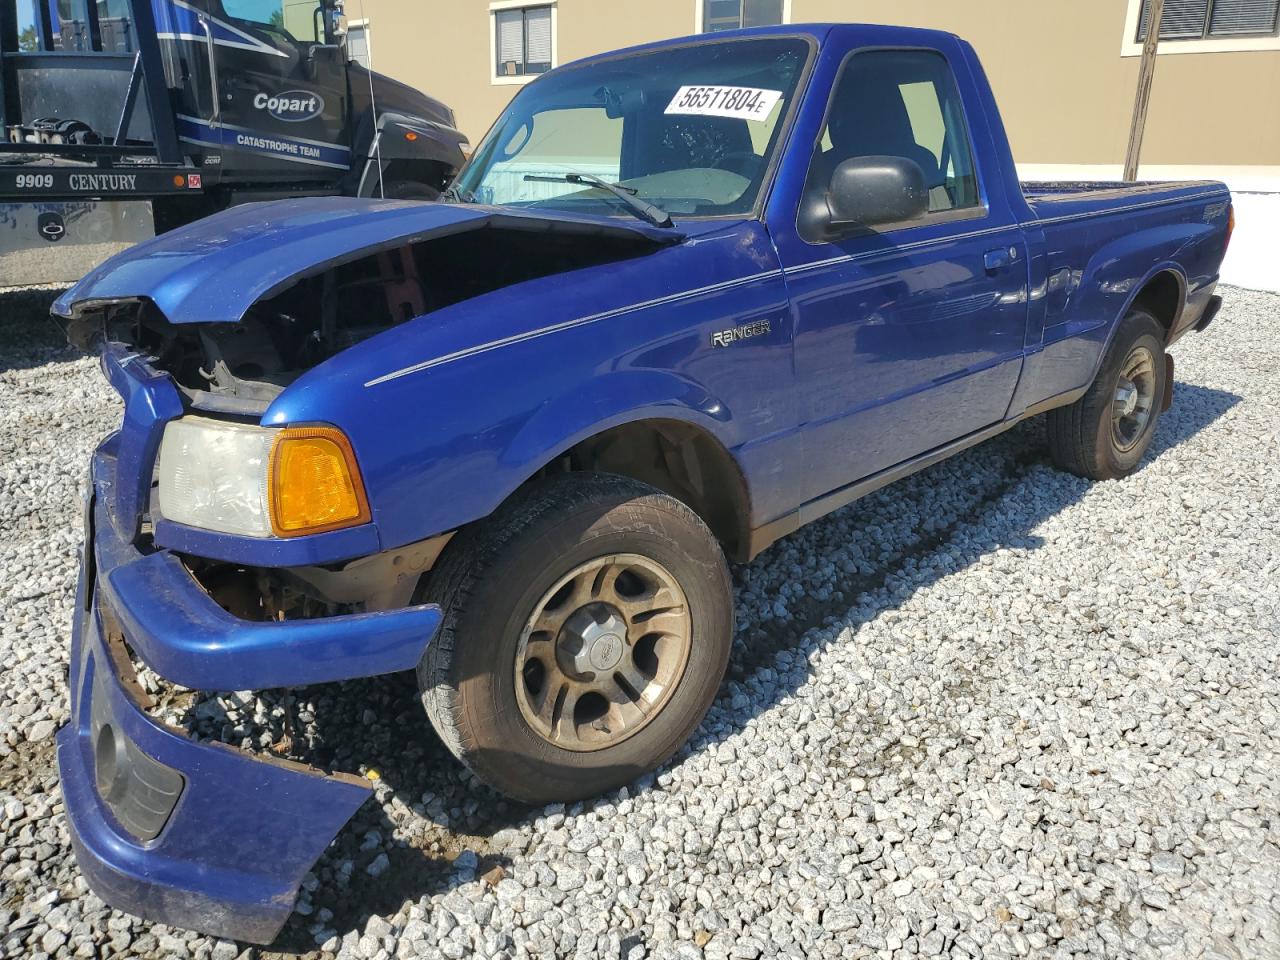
(821, 33)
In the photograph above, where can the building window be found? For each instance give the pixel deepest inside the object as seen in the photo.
(731, 14)
(358, 42)
(522, 41)
(1206, 19)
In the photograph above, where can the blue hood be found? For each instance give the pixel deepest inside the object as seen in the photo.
(213, 270)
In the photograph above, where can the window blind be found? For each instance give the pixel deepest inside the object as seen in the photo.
(760, 13)
(721, 15)
(358, 45)
(1235, 17)
(1199, 19)
(509, 25)
(1181, 20)
(538, 36)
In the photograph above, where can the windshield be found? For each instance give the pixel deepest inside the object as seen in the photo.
(691, 130)
(294, 21)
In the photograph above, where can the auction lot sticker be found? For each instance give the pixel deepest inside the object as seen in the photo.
(744, 103)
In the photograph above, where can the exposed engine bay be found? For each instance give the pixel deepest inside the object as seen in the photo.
(281, 337)
(236, 369)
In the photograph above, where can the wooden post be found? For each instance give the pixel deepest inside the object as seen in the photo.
(1142, 98)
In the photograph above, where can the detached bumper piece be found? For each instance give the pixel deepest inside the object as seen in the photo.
(199, 835)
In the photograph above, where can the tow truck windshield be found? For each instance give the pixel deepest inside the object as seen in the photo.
(691, 131)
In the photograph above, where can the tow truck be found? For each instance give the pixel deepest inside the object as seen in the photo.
(122, 120)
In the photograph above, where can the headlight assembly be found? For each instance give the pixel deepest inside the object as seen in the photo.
(259, 481)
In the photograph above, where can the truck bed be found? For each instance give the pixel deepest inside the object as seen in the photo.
(1059, 202)
(1035, 190)
(1089, 228)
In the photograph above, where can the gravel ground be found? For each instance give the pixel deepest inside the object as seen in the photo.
(990, 711)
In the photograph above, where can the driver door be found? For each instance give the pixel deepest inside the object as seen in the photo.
(910, 335)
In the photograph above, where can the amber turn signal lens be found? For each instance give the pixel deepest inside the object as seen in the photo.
(314, 484)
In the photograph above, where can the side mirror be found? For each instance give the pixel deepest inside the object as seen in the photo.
(870, 191)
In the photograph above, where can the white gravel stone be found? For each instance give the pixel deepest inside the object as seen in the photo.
(993, 710)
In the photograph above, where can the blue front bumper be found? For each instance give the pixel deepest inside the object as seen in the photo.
(199, 835)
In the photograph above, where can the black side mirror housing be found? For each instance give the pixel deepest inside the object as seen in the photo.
(875, 190)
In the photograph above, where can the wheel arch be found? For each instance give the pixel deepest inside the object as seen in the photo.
(1155, 287)
(1164, 294)
(675, 441)
(680, 458)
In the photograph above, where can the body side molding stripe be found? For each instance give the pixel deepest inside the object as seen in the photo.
(570, 324)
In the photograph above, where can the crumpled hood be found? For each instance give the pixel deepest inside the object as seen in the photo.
(214, 270)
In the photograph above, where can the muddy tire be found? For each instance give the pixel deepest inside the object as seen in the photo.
(587, 626)
(1104, 434)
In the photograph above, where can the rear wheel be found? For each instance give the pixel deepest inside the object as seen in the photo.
(1104, 434)
(587, 627)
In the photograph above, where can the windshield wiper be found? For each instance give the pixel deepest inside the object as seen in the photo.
(452, 194)
(650, 212)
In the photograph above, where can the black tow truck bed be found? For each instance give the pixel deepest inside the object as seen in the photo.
(90, 159)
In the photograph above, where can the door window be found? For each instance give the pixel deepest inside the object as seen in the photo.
(900, 103)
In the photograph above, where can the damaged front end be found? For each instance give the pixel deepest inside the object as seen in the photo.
(200, 834)
(194, 568)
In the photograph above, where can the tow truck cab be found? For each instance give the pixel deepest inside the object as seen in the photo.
(197, 105)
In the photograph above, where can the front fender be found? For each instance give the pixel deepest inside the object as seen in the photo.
(611, 400)
(452, 411)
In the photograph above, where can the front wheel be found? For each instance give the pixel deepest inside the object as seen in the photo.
(1104, 434)
(587, 628)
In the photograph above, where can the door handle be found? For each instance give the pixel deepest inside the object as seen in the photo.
(213, 70)
(999, 258)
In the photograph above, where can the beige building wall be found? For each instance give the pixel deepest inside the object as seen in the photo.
(1066, 94)
(453, 61)
(1063, 87)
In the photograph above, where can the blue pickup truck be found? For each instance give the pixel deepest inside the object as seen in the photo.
(683, 299)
